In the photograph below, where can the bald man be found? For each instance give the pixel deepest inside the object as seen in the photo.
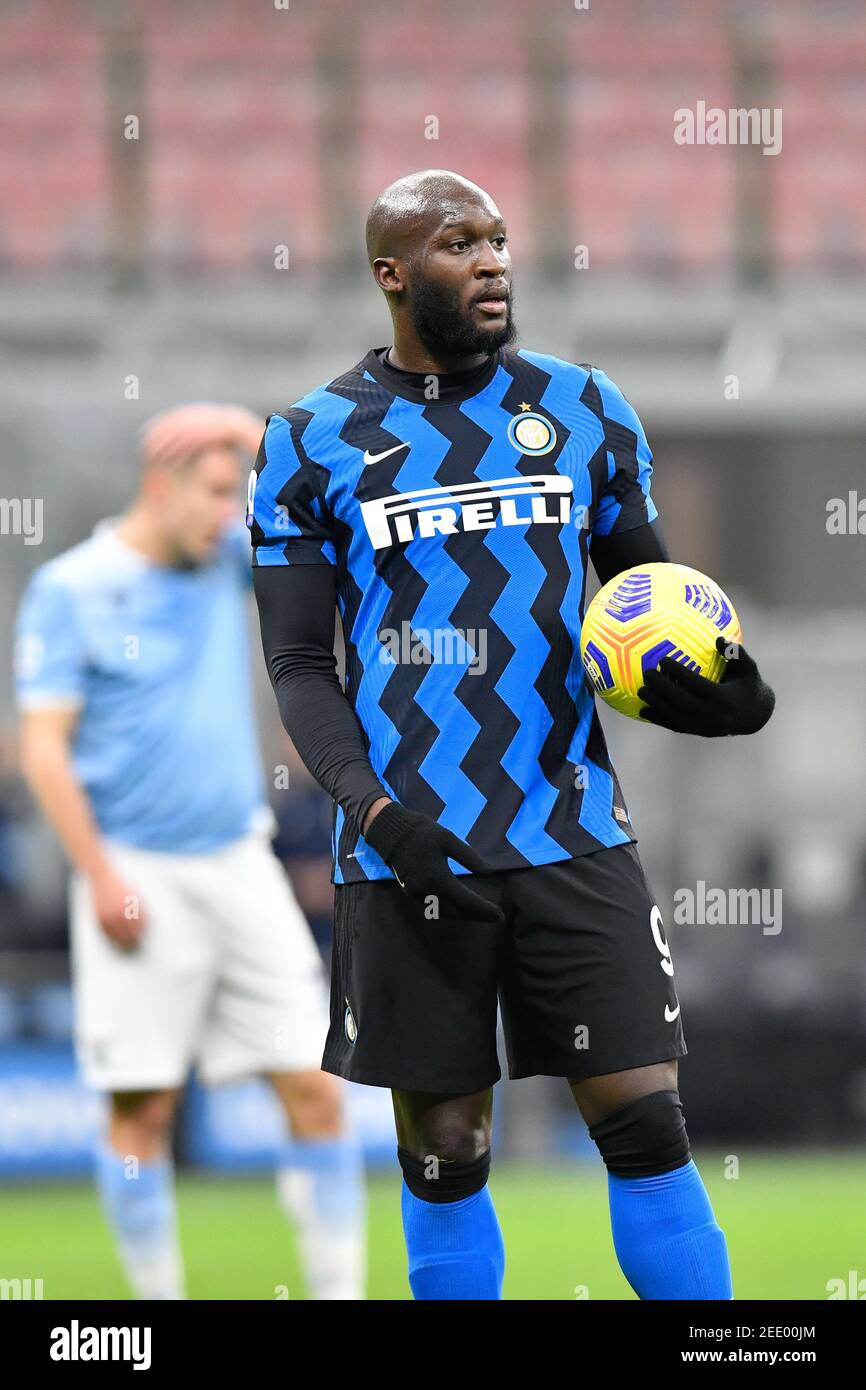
(138, 741)
(444, 492)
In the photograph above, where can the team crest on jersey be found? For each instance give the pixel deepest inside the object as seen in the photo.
(349, 1025)
(531, 433)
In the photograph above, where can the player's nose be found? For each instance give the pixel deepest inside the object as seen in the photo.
(492, 262)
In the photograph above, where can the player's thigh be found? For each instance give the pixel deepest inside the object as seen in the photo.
(312, 1100)
(589, 988)
(138, 1011)
(269, 1012)
(413, 998)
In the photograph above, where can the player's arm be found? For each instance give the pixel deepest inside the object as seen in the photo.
(297, 604)
(294, 579)
(46, 763)
(627, 533)
(624, 550)
(50, 677)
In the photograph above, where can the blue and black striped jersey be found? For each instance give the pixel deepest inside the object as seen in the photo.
(459, 518)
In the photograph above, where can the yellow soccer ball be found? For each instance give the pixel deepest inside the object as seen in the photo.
(648, 613)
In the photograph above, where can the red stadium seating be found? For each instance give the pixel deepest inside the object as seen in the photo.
(818, 208)
(468, 73)
(258, 123)
(54, 176)
(636, 196)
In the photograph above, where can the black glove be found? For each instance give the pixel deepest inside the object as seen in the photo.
(417, 850)
(679, 699)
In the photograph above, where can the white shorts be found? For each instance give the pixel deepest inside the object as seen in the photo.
(227, 976)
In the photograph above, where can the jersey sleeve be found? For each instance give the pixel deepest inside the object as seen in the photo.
(287, 513)
(624, 500)
(50, 657)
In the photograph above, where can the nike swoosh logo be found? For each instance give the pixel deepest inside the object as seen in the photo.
(670, 1014)
(376, 458)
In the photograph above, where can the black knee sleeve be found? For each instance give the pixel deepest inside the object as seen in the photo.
(435, 1180)
(647, 1136)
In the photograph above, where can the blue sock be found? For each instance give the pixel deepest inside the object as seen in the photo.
(320, 1184)
(455, 1248)
(666, 1237)
(138, 1199)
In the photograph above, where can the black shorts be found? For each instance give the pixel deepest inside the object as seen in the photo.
(581, 970)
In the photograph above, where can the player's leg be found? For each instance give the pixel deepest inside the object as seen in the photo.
(590, 996)
(320, 1183)
(269, 1017)
(665, 1234)
(452, 1234)
(413, 1007)
(135, 1177)
(137, 1016)
(312, 1102)
(599, 1096)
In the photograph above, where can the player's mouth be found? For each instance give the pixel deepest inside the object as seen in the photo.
(495, 303)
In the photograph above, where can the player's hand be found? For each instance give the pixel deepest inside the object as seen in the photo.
(417, 851)
(177, 435)
(118, 908)
(678, 699)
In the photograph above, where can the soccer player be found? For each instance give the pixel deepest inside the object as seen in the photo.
(448, 492)
(188, 945)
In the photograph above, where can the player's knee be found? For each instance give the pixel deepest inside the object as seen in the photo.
(450, 1134)
(142, 1119)
(435, 1179)
(444, 1151)
(645, 1137)
(452, 1129)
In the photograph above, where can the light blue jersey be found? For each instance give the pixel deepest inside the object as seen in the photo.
(157, 661)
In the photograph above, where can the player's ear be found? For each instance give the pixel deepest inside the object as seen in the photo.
(156, 483)
(160, 482)
(386, 270)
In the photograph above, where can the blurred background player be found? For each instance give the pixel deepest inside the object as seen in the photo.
(138, 742)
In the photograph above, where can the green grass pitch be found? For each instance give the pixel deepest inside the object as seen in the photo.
(793, 1222)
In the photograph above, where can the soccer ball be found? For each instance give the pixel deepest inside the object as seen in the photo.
(648, 613)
